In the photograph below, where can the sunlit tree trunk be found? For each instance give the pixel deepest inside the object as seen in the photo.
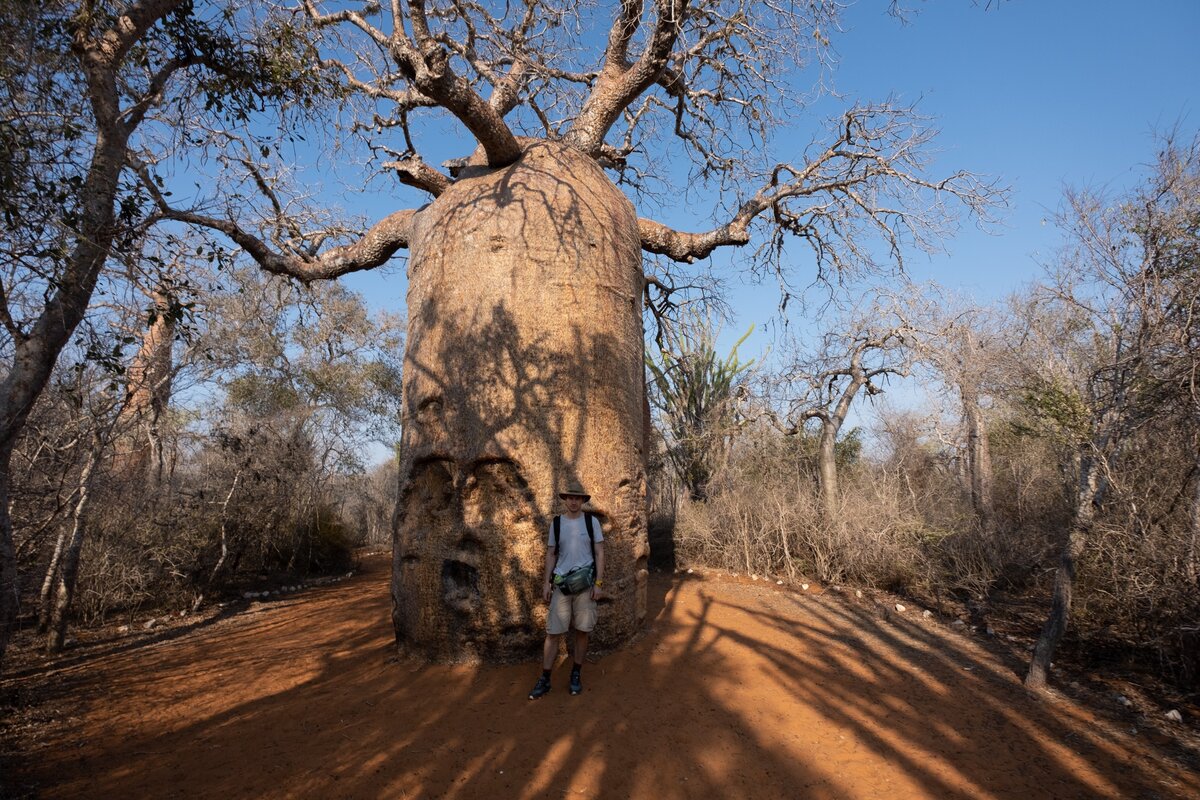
(827, 469)
(523, 372)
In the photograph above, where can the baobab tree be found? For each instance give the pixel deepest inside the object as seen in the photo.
(524, 360)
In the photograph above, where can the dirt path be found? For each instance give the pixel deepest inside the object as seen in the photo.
(735, 691)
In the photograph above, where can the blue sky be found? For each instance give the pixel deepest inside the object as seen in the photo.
(1042, 94)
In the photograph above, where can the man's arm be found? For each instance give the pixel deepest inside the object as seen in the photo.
(598, 589)
(548, 572)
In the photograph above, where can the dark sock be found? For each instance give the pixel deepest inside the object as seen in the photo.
(576, 669)
(546, 674)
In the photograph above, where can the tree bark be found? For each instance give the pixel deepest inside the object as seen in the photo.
(68, 573)
(523, 371)
(148, 393)
(44, 598)
(1088, 496)
(827, 468)
(979, 458)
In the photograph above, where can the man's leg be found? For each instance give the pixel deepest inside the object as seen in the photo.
(558, 621)
(585, 619)
(550, 650)
(581, 643)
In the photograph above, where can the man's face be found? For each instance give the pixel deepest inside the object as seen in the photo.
(574, 503)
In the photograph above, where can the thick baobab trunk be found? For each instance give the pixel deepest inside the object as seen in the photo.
(979, 458)
(827, 470)
(148, 393)
(1087, 497)
(523, 371)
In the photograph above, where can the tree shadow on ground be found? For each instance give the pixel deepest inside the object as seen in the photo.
(732, 691)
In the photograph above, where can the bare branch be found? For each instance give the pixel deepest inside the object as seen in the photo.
(619, 82)
(372, 249)
(869, 182)
(412, 171)
(426, 63)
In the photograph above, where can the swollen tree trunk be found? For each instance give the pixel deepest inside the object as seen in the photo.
(1088, 496)
(979, 459)
(68, 572)
(523, 371)
(148, 392)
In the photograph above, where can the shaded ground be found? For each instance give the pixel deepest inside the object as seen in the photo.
(735, 690)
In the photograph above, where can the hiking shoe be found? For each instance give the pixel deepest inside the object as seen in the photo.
(576, 683)
(540, 688)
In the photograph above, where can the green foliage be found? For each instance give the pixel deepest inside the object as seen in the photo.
(1059, 408)
(695, 391)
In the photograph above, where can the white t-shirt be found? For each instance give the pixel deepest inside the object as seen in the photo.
(574, 549)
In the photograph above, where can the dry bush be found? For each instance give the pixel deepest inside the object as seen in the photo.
(904, 521)
(764, 516)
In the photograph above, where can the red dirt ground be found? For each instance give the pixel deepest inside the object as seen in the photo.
(735, 690)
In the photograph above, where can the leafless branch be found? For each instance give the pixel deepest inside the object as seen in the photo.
(869, 182)
(380, 242)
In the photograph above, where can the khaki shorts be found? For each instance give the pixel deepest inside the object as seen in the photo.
(565, 609)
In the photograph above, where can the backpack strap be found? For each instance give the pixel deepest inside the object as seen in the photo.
(587, 523)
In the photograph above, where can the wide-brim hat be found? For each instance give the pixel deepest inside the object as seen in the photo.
(574, 489)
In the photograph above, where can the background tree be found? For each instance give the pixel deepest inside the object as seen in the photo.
(697, 393)
(969, 357)
(869, 345)
(1104, 327)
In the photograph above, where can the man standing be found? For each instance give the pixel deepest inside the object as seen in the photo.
(572, 583)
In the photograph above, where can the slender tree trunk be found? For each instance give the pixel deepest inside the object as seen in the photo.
(1192, 566)
(979, 458)
(56, 632)
(1088, 496)
(35, 355)
(827, 470)
(10, 595)
(216, 570)
(44, 598)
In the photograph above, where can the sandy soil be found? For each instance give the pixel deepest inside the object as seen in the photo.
(735, 690)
